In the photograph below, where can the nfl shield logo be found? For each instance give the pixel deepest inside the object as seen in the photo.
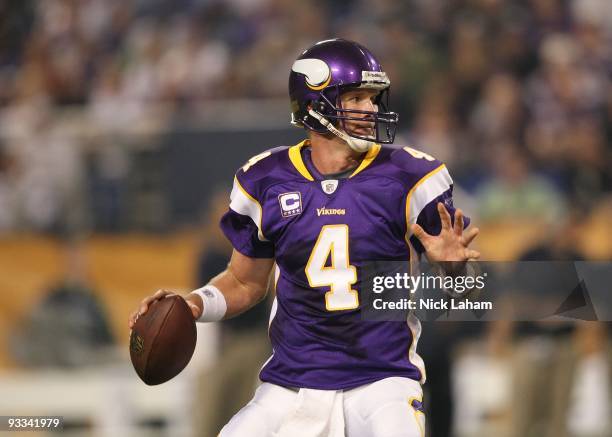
(329, 186)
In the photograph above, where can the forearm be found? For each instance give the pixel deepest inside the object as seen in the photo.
(239, 295)
(239, 287)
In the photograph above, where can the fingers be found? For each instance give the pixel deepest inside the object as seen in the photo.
(132, 319)
(458, 222)
(147, 301)
(472, 254)
(145, 304)
(195, 311)
(469, 236)
(445, 217)
(420, 233)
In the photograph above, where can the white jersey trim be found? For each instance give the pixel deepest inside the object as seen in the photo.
(414, 324)
(430, 186)
(245, 204)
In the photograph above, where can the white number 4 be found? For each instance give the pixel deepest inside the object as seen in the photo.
(333, 243)
(255, 159)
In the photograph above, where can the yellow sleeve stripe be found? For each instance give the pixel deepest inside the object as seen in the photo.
(245, 192)
(411, 192)
(242, 202)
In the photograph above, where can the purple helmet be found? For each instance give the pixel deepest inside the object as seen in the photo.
(318, 77)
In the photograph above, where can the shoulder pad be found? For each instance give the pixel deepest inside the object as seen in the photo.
(262, 162)
(260, 167)
(414, 161)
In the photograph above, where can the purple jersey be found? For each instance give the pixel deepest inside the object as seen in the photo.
(320, 231)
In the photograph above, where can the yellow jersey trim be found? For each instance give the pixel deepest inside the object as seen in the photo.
(367, 160)
(295, 156)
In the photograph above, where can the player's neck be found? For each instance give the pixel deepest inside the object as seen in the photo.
(332, 155)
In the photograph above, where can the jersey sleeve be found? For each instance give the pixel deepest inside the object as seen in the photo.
(242, 224)
(422, 203)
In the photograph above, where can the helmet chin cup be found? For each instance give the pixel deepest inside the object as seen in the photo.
(357, 144)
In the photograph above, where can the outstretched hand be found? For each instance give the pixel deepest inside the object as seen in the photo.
(451, 244)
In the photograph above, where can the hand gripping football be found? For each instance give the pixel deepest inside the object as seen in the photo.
(163, 340)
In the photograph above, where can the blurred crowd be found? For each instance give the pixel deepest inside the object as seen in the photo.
(515, 96)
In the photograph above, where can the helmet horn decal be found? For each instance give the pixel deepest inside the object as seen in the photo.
(317, 72)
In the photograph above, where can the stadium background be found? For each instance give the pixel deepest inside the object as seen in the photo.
(122, 122)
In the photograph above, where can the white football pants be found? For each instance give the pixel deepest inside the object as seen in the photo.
(383, 408)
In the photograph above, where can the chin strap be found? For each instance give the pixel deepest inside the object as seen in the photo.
(357, 144)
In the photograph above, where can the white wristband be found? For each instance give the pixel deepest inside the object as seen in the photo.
(215, 306)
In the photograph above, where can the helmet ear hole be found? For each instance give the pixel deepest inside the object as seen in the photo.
(316, 106)
(378, 99)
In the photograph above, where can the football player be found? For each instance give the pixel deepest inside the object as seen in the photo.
(316, 212)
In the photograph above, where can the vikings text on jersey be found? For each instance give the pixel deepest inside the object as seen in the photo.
(320, 230)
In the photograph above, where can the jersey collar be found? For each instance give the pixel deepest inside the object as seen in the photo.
(295, 156)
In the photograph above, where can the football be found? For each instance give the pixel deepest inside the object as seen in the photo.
(163, 340)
